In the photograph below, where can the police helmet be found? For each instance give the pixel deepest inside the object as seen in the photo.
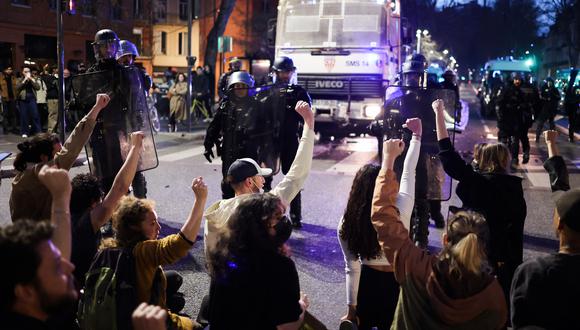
(241, 77)
(417, 63)
(283, 63)
(235, 64)
(448, 73)
(126, 47)
(105, 35)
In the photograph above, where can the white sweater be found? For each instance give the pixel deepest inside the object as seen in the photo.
(405, 203)
(218, 214)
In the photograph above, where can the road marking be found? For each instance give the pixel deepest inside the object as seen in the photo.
(491, 137)
(352, 163)
(180, 155)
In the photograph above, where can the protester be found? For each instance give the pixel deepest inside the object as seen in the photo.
(136, 226)
(41, 94)
(8, 91)
(208, 72)
(51, 82)
(254, 284)
(452, 290)
(90, 211)
(246, 177)
(177, 103)
(200, 92)
(498, 196)
(39, 282)
(372, 293)
(545, 290)
(29, 199)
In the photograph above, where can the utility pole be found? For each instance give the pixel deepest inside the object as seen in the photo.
(190, 62)
(60, 59)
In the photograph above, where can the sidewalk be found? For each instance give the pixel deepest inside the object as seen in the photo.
(562, 126)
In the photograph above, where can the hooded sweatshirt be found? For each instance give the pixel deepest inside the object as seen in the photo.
(218, 214)
(431, 298)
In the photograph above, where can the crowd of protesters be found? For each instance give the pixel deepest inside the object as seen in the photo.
(478, 281)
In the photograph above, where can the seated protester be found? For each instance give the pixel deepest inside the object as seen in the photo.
(39, 283)
(254, 284)
(29, 199)
(135, 225)
(90, 211)
(545, 291)
(371, 295)
(498, 196)
(452, 290)
(248, 178)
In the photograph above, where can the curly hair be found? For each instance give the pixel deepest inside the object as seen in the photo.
(357, 229)
(127, 220)
(19, 248)
(86, 190)
(246, 235)
(34, 147)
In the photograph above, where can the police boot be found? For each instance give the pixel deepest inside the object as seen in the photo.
(526, 158)
(139, 185)
(420, 222)
(435, 210)
(296, 211)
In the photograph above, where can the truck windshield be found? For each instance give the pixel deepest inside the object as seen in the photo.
(331, 24)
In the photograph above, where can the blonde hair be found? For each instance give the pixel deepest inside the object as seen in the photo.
(467, 235)
(494, 158)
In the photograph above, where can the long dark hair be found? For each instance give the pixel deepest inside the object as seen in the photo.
(246, 236)
(33, 148)
(468, 237)
(357, 229)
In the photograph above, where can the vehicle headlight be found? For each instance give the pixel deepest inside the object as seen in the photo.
(371, 110)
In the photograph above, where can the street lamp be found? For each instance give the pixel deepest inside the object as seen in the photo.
(425, 32)
(445, 51)
(418, 34)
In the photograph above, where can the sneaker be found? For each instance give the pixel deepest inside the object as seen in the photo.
(24, 136)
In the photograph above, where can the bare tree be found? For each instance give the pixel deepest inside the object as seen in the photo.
(226, 9)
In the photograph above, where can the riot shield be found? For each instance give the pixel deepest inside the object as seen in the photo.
(403, 103)
(127, 112)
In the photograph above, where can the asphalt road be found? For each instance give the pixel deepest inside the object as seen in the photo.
(315, 247)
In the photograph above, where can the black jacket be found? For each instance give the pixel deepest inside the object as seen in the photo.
(499, 197)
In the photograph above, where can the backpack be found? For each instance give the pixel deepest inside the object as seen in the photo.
(110, 292)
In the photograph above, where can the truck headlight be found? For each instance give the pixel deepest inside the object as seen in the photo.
(371, 110)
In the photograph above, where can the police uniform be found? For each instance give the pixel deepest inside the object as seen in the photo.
(278, 103)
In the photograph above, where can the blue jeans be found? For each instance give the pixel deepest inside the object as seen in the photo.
(29, 116)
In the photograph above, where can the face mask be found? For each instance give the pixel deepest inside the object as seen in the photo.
(255, 185)
(283, 230)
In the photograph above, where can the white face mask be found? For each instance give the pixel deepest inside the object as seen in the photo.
(258, 190)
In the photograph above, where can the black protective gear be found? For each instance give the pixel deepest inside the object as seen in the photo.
(240, 77)
(236, 132)
(105, 35)
(283, 63)
(417, 63)
(235, 64)
(139, 185)
(208, 154)
(126, 47)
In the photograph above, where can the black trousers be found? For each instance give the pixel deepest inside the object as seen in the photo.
(11, 116)
(378, 294)
(541, 122)
(520, 135)
(571, 111)
(287, 156)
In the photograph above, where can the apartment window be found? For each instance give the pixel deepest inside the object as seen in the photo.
(183, 10)
(137, 8)
(182, 43)
(24, 3)
(163, 42)
(52, 4)
(116, 10)
(160, 10)
(86, 7)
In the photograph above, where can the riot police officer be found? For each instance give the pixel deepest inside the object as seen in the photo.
(514, 118)
(235, 65)
(278, 102)
(549, 97)
(126, 57)
(412, 100)
(120, 117)
(234, 129)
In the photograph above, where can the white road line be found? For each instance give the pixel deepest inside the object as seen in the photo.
(352, 163)
(180, 155)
